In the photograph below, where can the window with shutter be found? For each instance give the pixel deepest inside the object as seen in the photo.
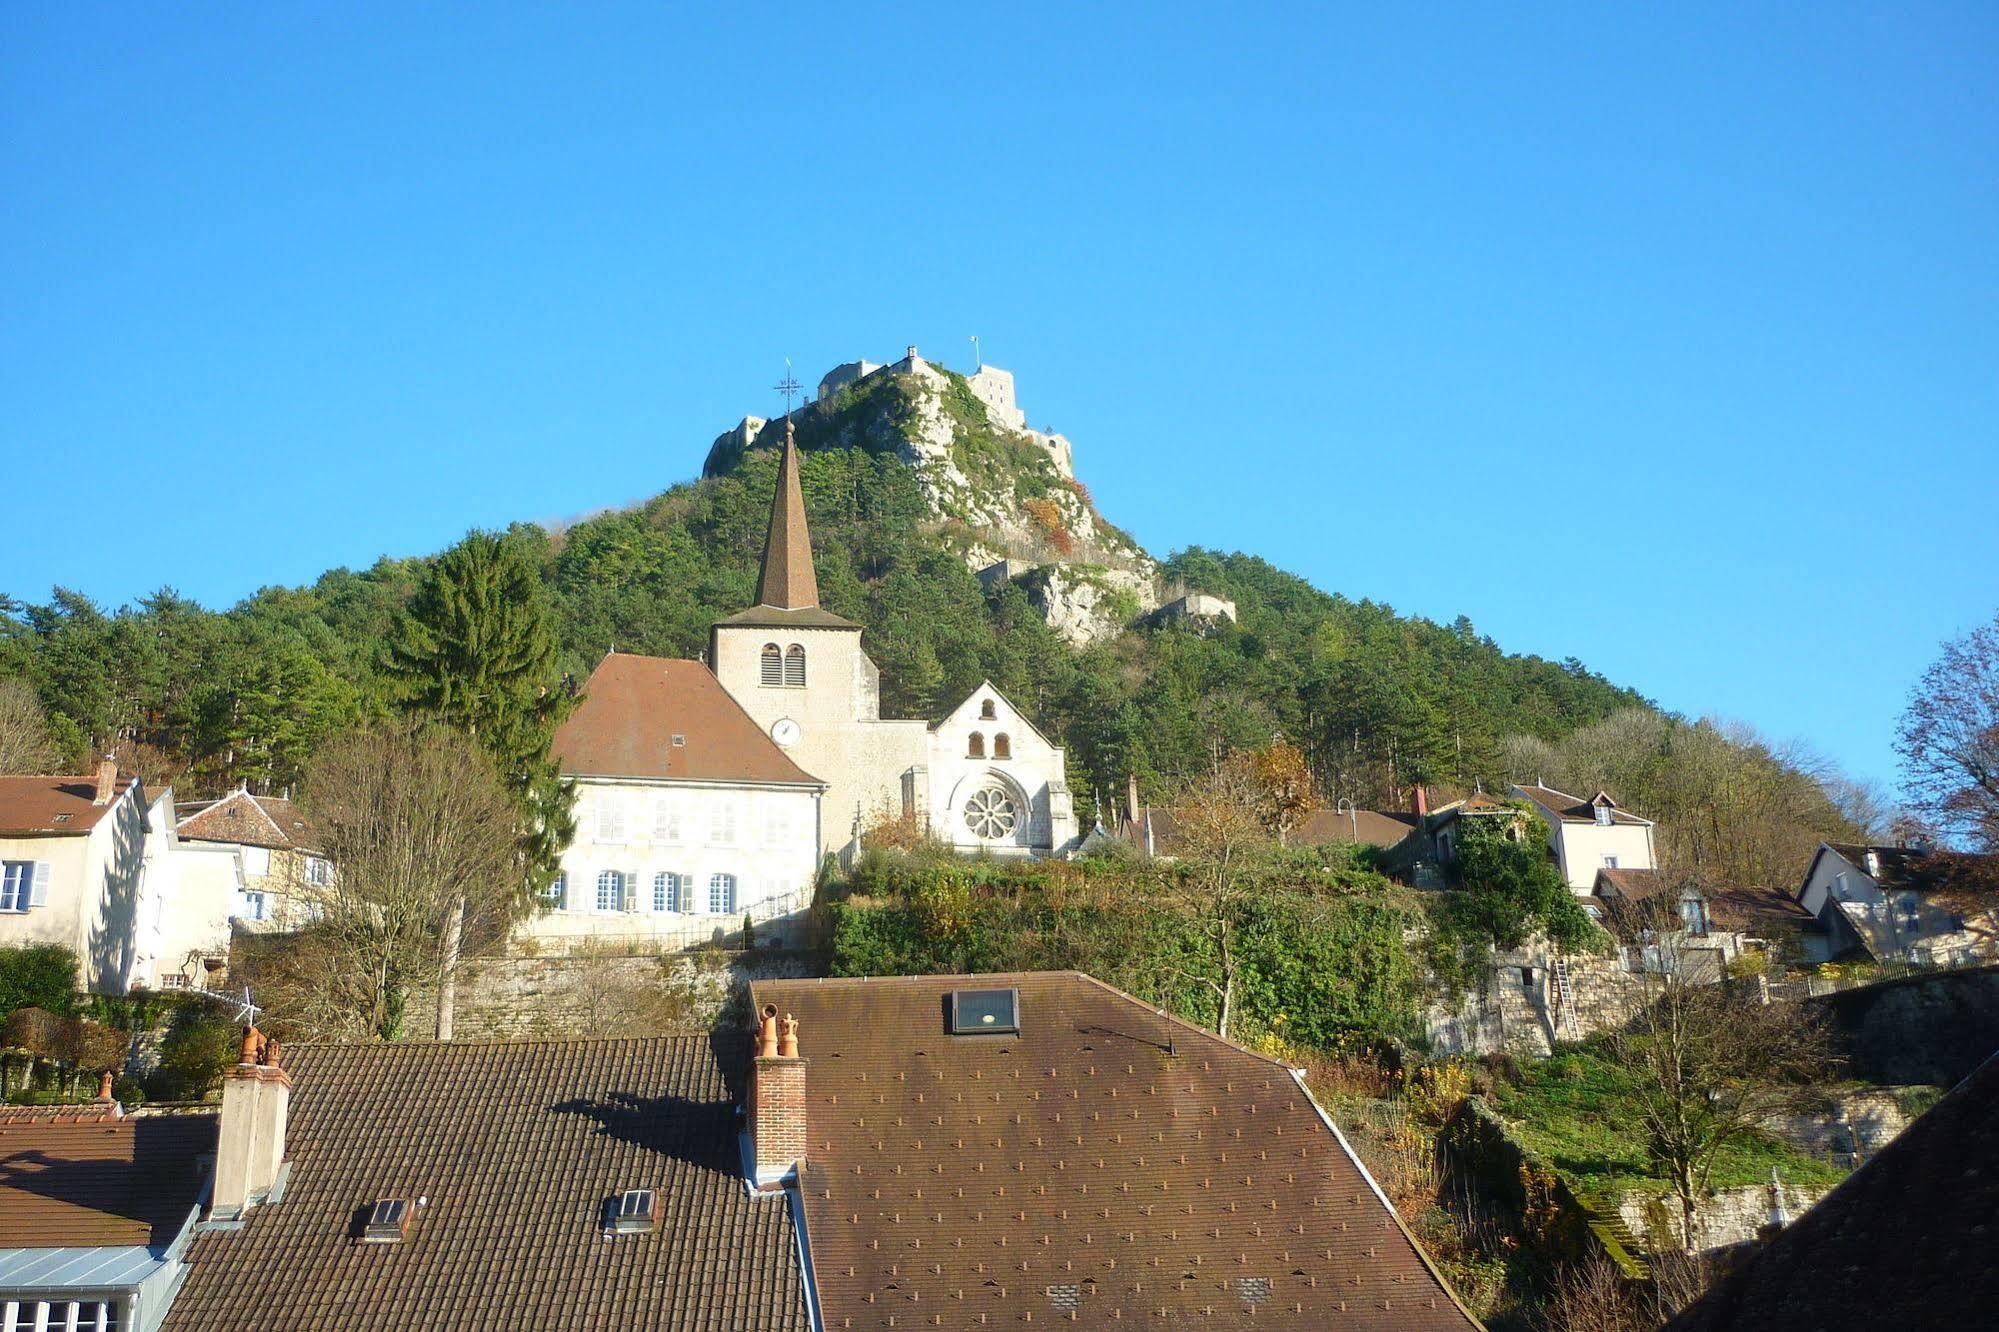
(772, 665)
(610, 890)
(666, 820)
(38, 896)
(722, 822)
(610, 819)
(17, 883)
(721, 893)
(794, 666)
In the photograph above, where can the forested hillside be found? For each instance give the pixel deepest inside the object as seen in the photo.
(1376, 699)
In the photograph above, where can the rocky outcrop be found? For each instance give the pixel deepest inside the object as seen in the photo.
(1006, 495)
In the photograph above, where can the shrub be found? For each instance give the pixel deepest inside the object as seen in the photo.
(200, 1043)
(38, 976)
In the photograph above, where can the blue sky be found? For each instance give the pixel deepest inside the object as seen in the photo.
(1664, 340)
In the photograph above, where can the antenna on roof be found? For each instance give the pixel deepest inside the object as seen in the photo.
(246, 1014)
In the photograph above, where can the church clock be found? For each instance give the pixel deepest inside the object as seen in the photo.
(785, 731)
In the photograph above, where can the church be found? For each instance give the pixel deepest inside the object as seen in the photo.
(707, 792)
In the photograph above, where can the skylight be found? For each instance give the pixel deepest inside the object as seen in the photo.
(388, 1221)
(636, 1212)
(975, 1011)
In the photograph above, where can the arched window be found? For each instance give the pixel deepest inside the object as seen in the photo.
(976, 746)
(610, 891)
(794, 666)
(665, 892)
(987, 710)
(1002, 747)
(773, 665)
(721, 894)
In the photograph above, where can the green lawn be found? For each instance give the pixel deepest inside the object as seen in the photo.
(1573, 1110)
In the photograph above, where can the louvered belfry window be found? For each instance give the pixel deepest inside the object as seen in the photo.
(794, 666)
(773, 665)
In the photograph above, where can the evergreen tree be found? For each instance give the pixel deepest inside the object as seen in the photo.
(476, 647)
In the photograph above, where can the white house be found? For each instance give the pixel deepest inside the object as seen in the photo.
(259, 850)
(1875, 900)
(72, 860)
(1590, 835)
(688, 816)
(185, 899)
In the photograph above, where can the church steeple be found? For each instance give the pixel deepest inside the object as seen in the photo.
(787, 580)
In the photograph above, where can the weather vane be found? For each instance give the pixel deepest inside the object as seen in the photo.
(788, 386)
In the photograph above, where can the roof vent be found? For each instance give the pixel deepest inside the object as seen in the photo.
(634, 1212)
(975, 1011)
(388, 1222)
(679, 741)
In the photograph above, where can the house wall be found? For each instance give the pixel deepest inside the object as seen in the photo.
(1893, 925)
(1582, 847)
(673, 828)
(93, 896)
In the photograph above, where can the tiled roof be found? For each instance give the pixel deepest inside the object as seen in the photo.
(1760, 911)
(1108, 1166)
(100, 1182)
(1319, 828)
(250, 820)
(634, 708)
(53, 806)
(1902, 866)
(1574, 809)
(1906, 1241)
(1633, 884)
(516, 1146)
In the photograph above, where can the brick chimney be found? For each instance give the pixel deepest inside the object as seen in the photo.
(107, 781)
(1419, 801)
(250, 1141)
(777, 1101)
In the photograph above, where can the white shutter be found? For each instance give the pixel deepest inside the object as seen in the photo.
(632, 890)
(38, 893)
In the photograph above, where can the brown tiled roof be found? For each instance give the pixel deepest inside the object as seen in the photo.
(1319, 828)
(787, 580)
(1759, 911)
(1632, 884)
(53, 806)
(633, 708)
(1906, 1241)
(517, 1146)
(1109, 1162)
(102, 1182)
(772, 617)
(1573, 809)
(250, 820)
(1904, 867)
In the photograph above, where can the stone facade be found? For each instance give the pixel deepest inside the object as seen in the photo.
(1725, 1217)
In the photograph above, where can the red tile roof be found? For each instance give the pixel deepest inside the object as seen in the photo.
(1109, 1163)
(635, 707)
(101, 1182)
(1573, 809)
(516, 1146)
(53, 806)
(250, 820)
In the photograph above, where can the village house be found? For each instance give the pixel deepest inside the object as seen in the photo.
(187, 893)
(1680, 922)
(689, 817)
(1876, 902)
(1590, 835)
(72, 861)
(97, 1209)
(266, 845)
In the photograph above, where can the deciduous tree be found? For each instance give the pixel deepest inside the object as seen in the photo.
(1949, 740)
(25, 742)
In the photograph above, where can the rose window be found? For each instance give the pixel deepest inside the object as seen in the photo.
(991, 814)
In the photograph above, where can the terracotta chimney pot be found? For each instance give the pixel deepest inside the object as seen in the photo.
(104, 1086)
(252, 1039)
(787, 1043)
(767, 1033)
(107, 781)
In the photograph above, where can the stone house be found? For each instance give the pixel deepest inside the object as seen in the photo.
(72, 866)
(1876, 902)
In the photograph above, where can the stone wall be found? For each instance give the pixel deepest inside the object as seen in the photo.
(1921, 1029)
(1863, 1121)
(1517, 1008)
(605, 994)
(1724, 1218)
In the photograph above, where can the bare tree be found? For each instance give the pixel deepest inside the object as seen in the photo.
(1949, 739)
(1222, 823)
(1709, 1063)
(25, 742)
(421, 833)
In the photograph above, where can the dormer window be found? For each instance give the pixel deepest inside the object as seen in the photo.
(388, 1222)
(988, 710)
(635, 1212)
(1603, 814)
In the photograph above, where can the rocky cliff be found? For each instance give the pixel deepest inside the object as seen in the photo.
(1001, 494)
